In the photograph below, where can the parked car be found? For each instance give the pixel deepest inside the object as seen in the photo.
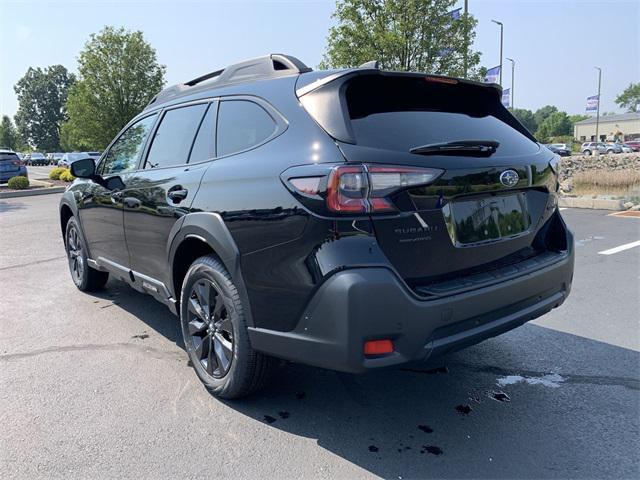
(589, 148)
(68, 158)
(36, 159)
(634, 144)
(626, 148)
(560, 148)
(273, 211)
(613, 148)
(54, 157)
(10, 165)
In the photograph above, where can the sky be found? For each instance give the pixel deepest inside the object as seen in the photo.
(555, 43)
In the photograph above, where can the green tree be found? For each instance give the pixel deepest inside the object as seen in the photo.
(42, 95)
(406, 35)
(119, 75)
(630, 97)
(526, 118)
(558, 123)
(9, 136)
(541, 114)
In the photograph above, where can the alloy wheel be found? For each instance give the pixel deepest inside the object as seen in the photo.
(74, 254)
(210, 328)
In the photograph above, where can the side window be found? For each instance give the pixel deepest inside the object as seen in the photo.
(205, 143)
(174, 136)
(124, 153)
(241, 125)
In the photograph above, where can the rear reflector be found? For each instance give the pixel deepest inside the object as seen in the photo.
(378, 347)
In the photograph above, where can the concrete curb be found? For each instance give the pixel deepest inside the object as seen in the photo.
(29, 193)
(593, 203)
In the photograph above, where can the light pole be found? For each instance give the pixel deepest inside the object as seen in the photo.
(501, 37)
(466, 37)
(513, 73)
(598, 109)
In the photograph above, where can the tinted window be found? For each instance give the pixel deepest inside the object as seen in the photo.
(174, 137)
(204, 145)
(124, 153)
(242, 125)
(405, 112)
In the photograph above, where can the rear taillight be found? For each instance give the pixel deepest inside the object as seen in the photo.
(366, 188)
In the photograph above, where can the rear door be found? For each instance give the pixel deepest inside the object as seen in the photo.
(160, 193)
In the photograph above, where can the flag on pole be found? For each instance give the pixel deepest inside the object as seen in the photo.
(592, 103)
(492, 75)
(455, 14)
(506, 97)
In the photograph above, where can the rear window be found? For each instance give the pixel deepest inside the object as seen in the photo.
(400, 113)
(8, 156)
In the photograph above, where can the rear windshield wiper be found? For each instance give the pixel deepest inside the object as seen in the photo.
(479, 148)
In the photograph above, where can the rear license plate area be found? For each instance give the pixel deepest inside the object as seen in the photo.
(487, 219)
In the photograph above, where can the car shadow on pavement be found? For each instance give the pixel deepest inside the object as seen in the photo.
(459, 422)
(534, 402)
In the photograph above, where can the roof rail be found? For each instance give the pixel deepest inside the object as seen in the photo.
(269, 66)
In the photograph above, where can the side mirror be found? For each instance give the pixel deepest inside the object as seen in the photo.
(84, 168)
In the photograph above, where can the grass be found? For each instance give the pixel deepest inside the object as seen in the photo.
(607, 178)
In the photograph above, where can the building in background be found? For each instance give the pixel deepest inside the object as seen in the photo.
(625, 126)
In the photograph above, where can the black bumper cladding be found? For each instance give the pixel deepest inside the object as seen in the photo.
(362, 304)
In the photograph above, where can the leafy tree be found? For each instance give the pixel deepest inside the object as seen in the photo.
(558, 123)
(9, 136)
(416, 35)
(119, 75)
(526, 118)
(42, 94)
(542, 113)
(630, 97)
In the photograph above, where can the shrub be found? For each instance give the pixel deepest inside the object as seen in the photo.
(66, 176)
(18, 183)
(55, 173)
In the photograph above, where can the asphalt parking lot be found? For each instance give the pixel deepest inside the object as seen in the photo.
(99, 386)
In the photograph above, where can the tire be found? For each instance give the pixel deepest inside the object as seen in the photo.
(609, 152)
(215, 332)
(85, 278)
(587, 152)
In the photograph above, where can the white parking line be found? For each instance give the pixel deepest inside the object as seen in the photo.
(621, 248)
(563, 208)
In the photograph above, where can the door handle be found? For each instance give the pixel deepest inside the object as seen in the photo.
(177, 193)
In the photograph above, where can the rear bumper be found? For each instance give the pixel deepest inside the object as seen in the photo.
(362, 304)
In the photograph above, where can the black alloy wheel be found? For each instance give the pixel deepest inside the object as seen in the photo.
(210, 328)
(74, 255)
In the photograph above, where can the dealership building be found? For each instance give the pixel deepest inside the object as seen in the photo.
(625, 126)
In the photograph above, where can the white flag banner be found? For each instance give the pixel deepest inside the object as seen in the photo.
(506, 97)
(493, 74)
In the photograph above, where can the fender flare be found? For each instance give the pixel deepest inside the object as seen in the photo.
(210, 228)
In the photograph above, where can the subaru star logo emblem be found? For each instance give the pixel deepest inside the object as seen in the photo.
(509, 178)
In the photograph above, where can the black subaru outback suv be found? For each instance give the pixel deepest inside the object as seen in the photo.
(351, 219)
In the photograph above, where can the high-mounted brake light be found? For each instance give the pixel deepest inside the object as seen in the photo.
(451, 81)
(365, 188)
